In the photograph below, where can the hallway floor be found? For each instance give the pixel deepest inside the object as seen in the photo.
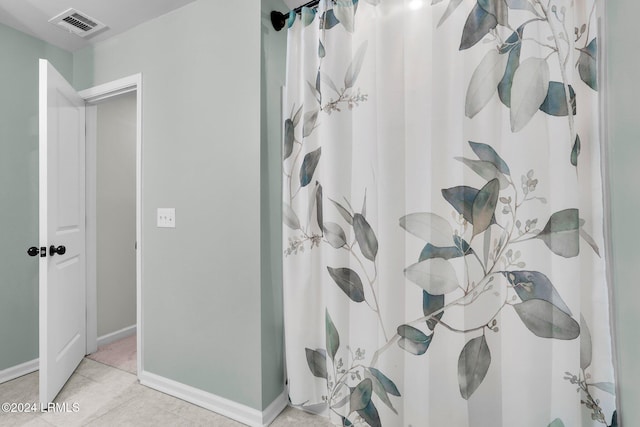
(119, 354)
(112, 397)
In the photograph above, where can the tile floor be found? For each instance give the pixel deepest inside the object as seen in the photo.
(110, 397)
(120, 354)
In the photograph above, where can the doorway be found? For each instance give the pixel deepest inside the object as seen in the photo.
(114, 226)
(115, 221)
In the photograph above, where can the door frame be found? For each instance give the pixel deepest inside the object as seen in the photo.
(92, 97)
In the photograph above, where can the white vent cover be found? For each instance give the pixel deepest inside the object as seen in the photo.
(78, 23)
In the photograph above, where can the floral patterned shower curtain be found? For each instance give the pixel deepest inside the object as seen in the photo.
(442, 202)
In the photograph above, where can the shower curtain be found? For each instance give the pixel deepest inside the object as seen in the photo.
(442, 202)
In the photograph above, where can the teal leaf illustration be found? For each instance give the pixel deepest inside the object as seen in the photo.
(484, 81)
(453, 5)
(370, 415)
(289, 217)
(429, 227)
(575, 152)
(413, 340)
(349, 281)
(561, 234)
(431, 304)
(522, 5)
(484, 206)
(334, 234)
(497, 8)
(556, 423)
(365, 237)
(485, 169)
(361, 395)
(555, 103)
(435, 275)
(478, 24)
(386, 383)
(343, 211)
(345, 12)
(473, 365)
(487, 153)
(535, 285)
(586, 351)
(288, 138)
(461, 198)
(317, 361)
(353, 71)
(608, 387)
(307, 14)
(321, 50)
(329, 20)
(504, 87)
(346, 422)
(528, 91)
(333, 339)
(309, 123)
(379, 389)
(587, 65)
(309, 166)
(449, 252)
(546, 320)
(614, 419)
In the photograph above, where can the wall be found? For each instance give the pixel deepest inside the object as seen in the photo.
(272, 65)
(19, 55)
(116, 213)
(202, 291)
(624, 152)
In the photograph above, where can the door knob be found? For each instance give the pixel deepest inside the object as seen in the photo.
(60, 250)
(33, 251)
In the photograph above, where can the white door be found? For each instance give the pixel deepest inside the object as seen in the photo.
(62, 231)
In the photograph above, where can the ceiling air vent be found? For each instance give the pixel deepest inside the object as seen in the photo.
(78, 23)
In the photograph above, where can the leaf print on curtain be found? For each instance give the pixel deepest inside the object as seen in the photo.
(443, 217)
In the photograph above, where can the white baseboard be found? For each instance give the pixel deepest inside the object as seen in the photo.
(117, 335)
(273, 410)
(236, 411)
(19, 370)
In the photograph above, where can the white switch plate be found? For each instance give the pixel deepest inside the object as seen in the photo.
(167, 217)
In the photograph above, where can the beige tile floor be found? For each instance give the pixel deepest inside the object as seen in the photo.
(110, 397)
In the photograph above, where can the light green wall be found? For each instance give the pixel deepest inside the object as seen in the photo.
(202, 291)
(19, 54)
(116, 213)
(623, 94)
(272, 64)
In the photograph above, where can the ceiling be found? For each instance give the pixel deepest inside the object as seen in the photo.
(32, 16)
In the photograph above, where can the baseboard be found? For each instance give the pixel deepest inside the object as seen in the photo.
(236, 411)
(273, 410)
(117, 335)
(19, 370)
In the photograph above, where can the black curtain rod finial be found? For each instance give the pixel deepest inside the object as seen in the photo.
(278, 20)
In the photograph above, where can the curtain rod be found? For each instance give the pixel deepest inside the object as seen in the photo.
(279, 19)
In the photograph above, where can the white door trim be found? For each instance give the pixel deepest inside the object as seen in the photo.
(92, 96)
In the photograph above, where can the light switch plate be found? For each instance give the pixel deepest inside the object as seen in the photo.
(166, 217)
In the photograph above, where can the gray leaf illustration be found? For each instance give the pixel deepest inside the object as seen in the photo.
(317, 362)
(349, 281)
(529, 90)
(473, 365)
(429, 227)
(353, 71)
(586, 351)
(484, 82)
(435, 275)
(546, 320)
(365, 236)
